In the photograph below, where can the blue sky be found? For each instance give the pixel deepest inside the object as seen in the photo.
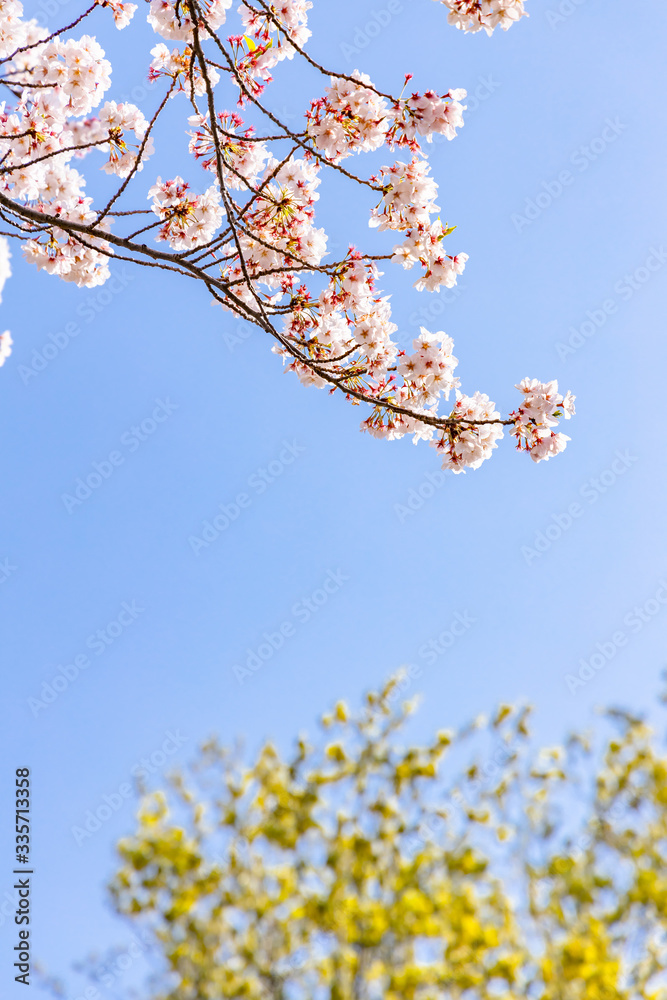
(556, 185)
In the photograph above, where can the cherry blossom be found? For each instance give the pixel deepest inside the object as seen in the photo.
(269, 36)
(243, 156)
(351, 118)
(115, 121)
(242, 218)
(408, 201)
(408, 196)
(60, 253)
(190, 220)
(469, 440)
(175, 22)
(534, 420)
(426, 115)
(473, 15)
(13, 30)
(179, 66)
(122, 12)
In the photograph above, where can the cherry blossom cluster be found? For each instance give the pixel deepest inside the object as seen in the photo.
(246, 227)
(56, 82)
(14, 31)
(354, 117)
(348, 321)
(179, 67)
(474, 426)
(277, 233)
(189, 220)
(408, 196)
(86, 263)
(429, 370)
(473, 15)
(427, 115)
(270, 33)
(243, 156)
(109, 132)
(122, 12)
(475, 431)
(408, 201)
(539, 413)
(74, 73)
(175, 22)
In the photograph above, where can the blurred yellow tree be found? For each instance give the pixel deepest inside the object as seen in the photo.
(357, 868)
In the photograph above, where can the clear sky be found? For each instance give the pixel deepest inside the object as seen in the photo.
(556, 184)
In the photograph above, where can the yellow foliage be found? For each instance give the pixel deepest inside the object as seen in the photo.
(355, 869)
